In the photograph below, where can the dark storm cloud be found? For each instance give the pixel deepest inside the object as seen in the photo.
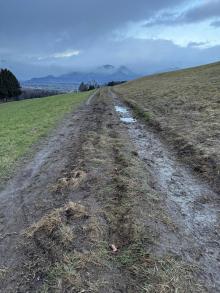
(33, 30)
(79, 18)
(39, 37)
(205, 11)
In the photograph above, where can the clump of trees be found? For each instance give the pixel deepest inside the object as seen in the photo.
(113, 83)
(9, 85)
(84, 87)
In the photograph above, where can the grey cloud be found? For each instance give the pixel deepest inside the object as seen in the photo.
(162, 19)
(33, 32)
(216, 23)
(146, 56)
(77, 18)
(206, 11)
(197, 44)
(30, 28)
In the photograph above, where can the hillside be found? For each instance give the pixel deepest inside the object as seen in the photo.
(185, 107)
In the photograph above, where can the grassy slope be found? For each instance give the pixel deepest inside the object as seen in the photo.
(185, 106)
(23, 123)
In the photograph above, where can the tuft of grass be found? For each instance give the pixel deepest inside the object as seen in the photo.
(3, 272)
(139, 111)
(61, 247)
(67, 275)
(23, 123)
(54, 220)
(157, 274)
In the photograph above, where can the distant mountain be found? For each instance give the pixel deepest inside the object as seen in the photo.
(105, 69)
(101, 75)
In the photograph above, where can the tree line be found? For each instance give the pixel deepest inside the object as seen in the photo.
(113, 83)
(9, 85)
(84, 87)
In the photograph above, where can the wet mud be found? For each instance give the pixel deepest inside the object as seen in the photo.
(190, 202)
(93, 159)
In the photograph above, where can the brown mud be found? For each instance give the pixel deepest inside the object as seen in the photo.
(106, 182)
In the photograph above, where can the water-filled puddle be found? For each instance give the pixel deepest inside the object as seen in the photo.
(127, 119)
(121, 109)
(125, 116)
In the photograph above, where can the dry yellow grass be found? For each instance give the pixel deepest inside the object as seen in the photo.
(185, 105)
(54, 220)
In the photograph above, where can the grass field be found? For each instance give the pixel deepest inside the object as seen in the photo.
(185, 106)
(23, 123)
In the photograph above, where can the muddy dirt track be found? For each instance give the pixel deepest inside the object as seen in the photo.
(104, 180)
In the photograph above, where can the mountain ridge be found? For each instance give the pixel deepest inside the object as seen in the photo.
(101, 75)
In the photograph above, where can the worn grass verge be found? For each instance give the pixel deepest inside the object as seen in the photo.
(23, 123)
(184, 105)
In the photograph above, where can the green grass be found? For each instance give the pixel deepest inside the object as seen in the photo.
(23, 123)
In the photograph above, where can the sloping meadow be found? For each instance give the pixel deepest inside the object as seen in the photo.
(185, 107)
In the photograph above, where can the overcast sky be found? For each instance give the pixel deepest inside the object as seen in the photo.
(40, 37)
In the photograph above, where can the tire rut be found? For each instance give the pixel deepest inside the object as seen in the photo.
(191, 203)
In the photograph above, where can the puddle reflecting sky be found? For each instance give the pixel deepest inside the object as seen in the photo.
(125, 116)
